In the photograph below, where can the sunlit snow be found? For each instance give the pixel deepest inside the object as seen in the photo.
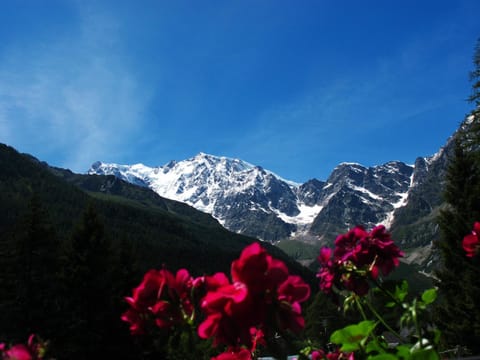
(365, 191)
(306, 216)
(400, 203)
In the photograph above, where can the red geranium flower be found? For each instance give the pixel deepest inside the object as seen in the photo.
(162, 298)
(355, 282)
(327, 271)
(34, 350)
(18, 352)
(258, 270)
(137, 320)
(211, 283)
(347, 245)
(262, 292)
(258, 338)
(224, 307)
(291, 293)
(471, 242)
(234, 354)
(336, 355)
(358, 256)
(386, 253)
(242, 353)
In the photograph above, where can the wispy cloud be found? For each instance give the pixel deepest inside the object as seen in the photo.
(72, 99)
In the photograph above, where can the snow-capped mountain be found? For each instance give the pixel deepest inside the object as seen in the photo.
(233, 191)
(251, 200)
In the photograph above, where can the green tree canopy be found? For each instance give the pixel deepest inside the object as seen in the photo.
(458, 311)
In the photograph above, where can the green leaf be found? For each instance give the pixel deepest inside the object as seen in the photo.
(390, 304)
(403, 352)
(374, 347)
(429, 296)
(351, 337)
(425, 354)
(401, 291)
(382, 357)
(436, 336)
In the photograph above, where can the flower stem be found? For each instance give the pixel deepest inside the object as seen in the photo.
(362, 311)
(384, 323)
(360, 308)
(388, 293)
(415, 320)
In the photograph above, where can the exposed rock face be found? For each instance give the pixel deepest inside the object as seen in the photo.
(356, 195)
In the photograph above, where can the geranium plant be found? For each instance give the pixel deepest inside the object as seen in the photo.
(353, 271)
(260, 304)
(260, 301)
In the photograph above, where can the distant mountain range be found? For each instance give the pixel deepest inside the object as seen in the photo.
(253, 201)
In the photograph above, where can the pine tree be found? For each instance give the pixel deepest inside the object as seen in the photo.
(8, 280)
(87, 290)
(34, 260)
(475, 77)
(475, 99)
(458, 311)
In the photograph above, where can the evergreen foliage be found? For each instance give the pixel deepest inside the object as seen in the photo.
(475, 77)
(458, 312)
(88, 301)
(30, 265)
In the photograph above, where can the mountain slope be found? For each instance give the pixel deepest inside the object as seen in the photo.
(162, 231)
(415, 225)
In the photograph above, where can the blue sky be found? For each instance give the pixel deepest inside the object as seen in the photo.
(294, 86)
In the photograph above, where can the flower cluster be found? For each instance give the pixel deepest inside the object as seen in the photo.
(237, 354)
(162, 298)
(358, 257)
(262, 296)
(242, 353)
(261, 299)
(471, 242)
(34, 350)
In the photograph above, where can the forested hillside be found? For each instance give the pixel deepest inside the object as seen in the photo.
(74, 245)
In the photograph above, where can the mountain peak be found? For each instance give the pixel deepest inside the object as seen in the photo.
(201, 155)
(96, 165)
